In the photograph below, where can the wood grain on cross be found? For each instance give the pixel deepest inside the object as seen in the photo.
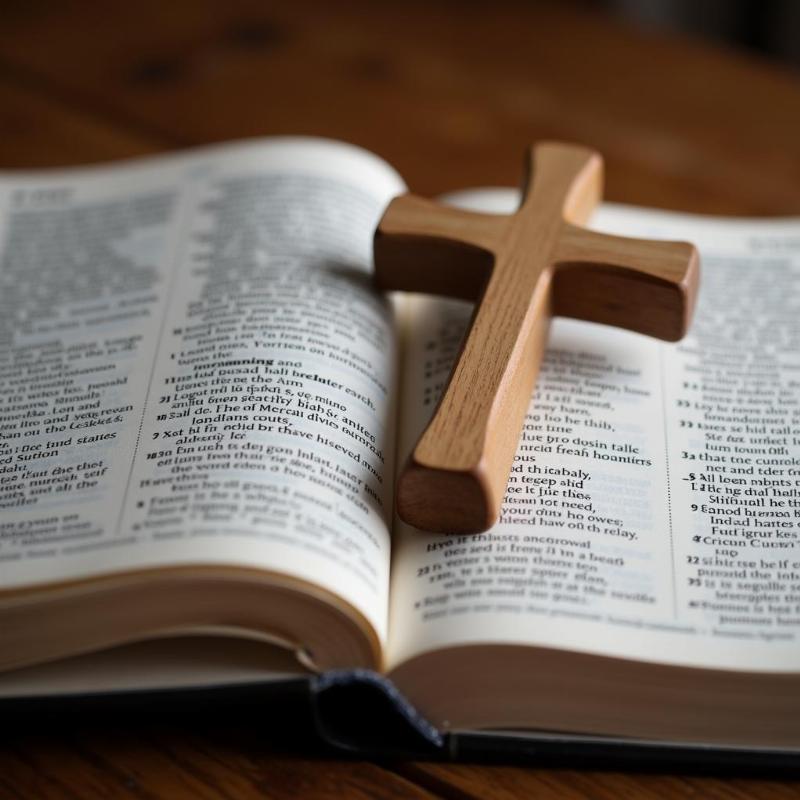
(521, 269)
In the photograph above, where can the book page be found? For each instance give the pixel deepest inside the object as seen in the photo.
(653, 508)
(199, 660)
(195, 369)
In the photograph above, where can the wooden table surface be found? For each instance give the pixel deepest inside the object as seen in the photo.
(450, 93)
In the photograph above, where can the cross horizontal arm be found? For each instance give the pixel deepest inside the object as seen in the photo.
(642, 285)
(422, 246)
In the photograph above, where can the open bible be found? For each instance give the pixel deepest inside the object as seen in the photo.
(203, 401)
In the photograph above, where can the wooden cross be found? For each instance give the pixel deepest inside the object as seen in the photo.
(521, 269)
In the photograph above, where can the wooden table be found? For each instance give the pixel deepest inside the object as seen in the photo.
(449, 92)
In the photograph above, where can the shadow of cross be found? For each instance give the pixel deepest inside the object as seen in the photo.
(521, 269)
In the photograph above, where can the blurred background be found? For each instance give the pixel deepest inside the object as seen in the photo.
(770, 27)
(695, 104)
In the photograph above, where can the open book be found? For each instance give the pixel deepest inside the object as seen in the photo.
(203, 402)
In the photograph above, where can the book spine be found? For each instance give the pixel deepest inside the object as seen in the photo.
(360, 711)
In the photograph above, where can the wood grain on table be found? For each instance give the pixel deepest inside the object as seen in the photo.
(450, 93)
